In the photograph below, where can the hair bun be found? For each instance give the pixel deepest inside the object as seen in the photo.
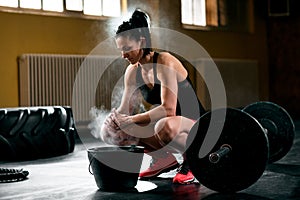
(139, 19)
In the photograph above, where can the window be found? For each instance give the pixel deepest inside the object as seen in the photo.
(111, 8)
(193, 12)
(105, 7)
(204, 12)
(75, 5)
(9, 3)
(53, 5)
(235, 15)
(34, 4)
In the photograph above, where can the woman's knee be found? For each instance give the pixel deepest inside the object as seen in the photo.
(166, 129)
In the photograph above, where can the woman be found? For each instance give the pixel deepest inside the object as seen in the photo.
(163, 84)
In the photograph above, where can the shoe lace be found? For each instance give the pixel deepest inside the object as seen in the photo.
(183, 168)
(153, 162)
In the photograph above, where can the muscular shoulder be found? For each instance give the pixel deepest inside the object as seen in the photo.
(169, 60)
(130, 73)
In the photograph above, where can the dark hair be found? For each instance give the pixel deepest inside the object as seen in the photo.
(138, 25)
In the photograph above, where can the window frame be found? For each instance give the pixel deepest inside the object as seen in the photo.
(64, 13)
(237, 20)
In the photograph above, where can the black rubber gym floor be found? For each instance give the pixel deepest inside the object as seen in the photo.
(67, 177)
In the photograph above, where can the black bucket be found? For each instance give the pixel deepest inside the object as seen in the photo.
(116, 168)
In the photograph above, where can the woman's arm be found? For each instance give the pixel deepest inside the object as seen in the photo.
(110, 131)
(169, 69)
(131, 99)
(167, 72)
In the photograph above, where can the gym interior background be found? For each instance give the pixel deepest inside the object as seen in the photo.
(270, 40)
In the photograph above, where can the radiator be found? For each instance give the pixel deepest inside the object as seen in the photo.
(51, 79)
(68, 80)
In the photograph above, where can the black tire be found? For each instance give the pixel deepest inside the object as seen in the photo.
(28, 133)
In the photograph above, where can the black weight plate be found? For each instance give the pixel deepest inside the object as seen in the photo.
(280, 126)
(243, 166)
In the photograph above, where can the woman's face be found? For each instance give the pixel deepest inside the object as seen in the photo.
(130, 49)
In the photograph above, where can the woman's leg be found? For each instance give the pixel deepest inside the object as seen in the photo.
(162, 159)
(173, 131)
(170, 135)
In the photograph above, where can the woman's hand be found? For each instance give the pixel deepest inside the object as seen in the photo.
(109, 121)
(122, 121)
(112, 133)
(117, 137)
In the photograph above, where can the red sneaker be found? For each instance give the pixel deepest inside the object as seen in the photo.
(184, 175)
(159, 165)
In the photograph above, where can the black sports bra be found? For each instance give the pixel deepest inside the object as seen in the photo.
(187, 100)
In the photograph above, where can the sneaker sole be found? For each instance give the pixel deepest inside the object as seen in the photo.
(187, 182)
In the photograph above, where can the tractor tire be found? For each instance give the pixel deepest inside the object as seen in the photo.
(28, 133)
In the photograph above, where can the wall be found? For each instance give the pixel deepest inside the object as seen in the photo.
(284, 43)
(24, 33)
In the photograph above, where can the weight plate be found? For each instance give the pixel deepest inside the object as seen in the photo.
(247, 160)
(280, 127)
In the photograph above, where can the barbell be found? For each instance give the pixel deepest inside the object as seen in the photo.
(252, 137)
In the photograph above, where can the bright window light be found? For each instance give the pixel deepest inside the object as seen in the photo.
(53, 5)
(199, 12)
(75, 5)
(34, 4)
(186, 11)
(9, 3)
(111, 8)
(92, 7)
(193, 12)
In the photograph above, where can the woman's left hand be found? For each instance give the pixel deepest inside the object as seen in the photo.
(121, 120)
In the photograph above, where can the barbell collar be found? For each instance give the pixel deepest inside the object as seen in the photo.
(224, 150)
